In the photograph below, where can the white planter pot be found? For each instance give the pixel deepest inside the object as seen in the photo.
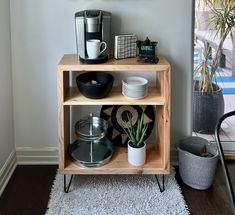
(136, 156)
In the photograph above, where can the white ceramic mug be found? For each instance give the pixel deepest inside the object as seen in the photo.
(93, 48)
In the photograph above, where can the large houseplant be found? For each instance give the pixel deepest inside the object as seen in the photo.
(136, 144)
(208, 102)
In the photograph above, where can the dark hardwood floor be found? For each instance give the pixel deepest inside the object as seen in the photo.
(213, 201)
(28, 190)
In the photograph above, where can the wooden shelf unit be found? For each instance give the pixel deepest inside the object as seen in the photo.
(158, 153)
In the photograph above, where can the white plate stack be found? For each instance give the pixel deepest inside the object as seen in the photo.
(135, 87)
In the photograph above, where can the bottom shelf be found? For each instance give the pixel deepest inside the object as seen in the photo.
(119, 165)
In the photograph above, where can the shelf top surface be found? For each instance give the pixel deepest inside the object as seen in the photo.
(70, 62)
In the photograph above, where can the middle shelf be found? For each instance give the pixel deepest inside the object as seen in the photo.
(115, 97)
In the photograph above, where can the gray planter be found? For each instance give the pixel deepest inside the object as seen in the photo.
(207, 109)
(196, 171)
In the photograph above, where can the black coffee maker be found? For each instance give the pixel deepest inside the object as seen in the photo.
(92, 24)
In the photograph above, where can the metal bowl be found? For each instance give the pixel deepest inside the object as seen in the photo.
(91, 153)
(135, 83)
(91, 128)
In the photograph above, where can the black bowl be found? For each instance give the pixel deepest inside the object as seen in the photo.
(95, 85)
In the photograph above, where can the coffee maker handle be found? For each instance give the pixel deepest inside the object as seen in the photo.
(105, 46)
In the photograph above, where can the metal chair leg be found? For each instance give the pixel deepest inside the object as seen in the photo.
(66, 187)
(161, 188)
(223, 163)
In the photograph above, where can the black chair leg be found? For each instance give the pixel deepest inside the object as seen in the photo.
(223, 163)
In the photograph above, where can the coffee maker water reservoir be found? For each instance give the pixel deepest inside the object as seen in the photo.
(92, 24)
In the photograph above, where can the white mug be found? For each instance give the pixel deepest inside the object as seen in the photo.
(93, 48)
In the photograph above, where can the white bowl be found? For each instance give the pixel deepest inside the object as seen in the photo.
(135, 83)
(127, 88)
(135, 94)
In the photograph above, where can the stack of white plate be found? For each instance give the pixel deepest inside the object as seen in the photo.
(135, 87)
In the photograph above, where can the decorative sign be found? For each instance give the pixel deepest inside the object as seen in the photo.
(116, 115)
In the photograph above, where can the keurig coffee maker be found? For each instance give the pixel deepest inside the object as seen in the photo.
(91, 26)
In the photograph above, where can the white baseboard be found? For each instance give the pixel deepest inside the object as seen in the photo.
(228, 146)
(37, 156)
(49, 155)
(7, 170)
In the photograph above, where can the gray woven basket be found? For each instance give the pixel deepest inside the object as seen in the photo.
(207, 109)
(196, 171)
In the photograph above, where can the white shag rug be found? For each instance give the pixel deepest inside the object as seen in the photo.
(116, 195)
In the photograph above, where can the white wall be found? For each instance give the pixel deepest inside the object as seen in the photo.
(6, 105)
(42, 31)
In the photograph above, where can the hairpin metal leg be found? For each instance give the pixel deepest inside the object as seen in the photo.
(161, 188)
(66, 188)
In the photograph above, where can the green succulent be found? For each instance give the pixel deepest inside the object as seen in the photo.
(137, 133)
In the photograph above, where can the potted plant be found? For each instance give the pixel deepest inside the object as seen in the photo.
(136, 145)
(208, 101)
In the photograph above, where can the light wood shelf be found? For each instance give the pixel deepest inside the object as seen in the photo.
(70, 62)
(158, 154)
(74, 97)
(120, 165)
